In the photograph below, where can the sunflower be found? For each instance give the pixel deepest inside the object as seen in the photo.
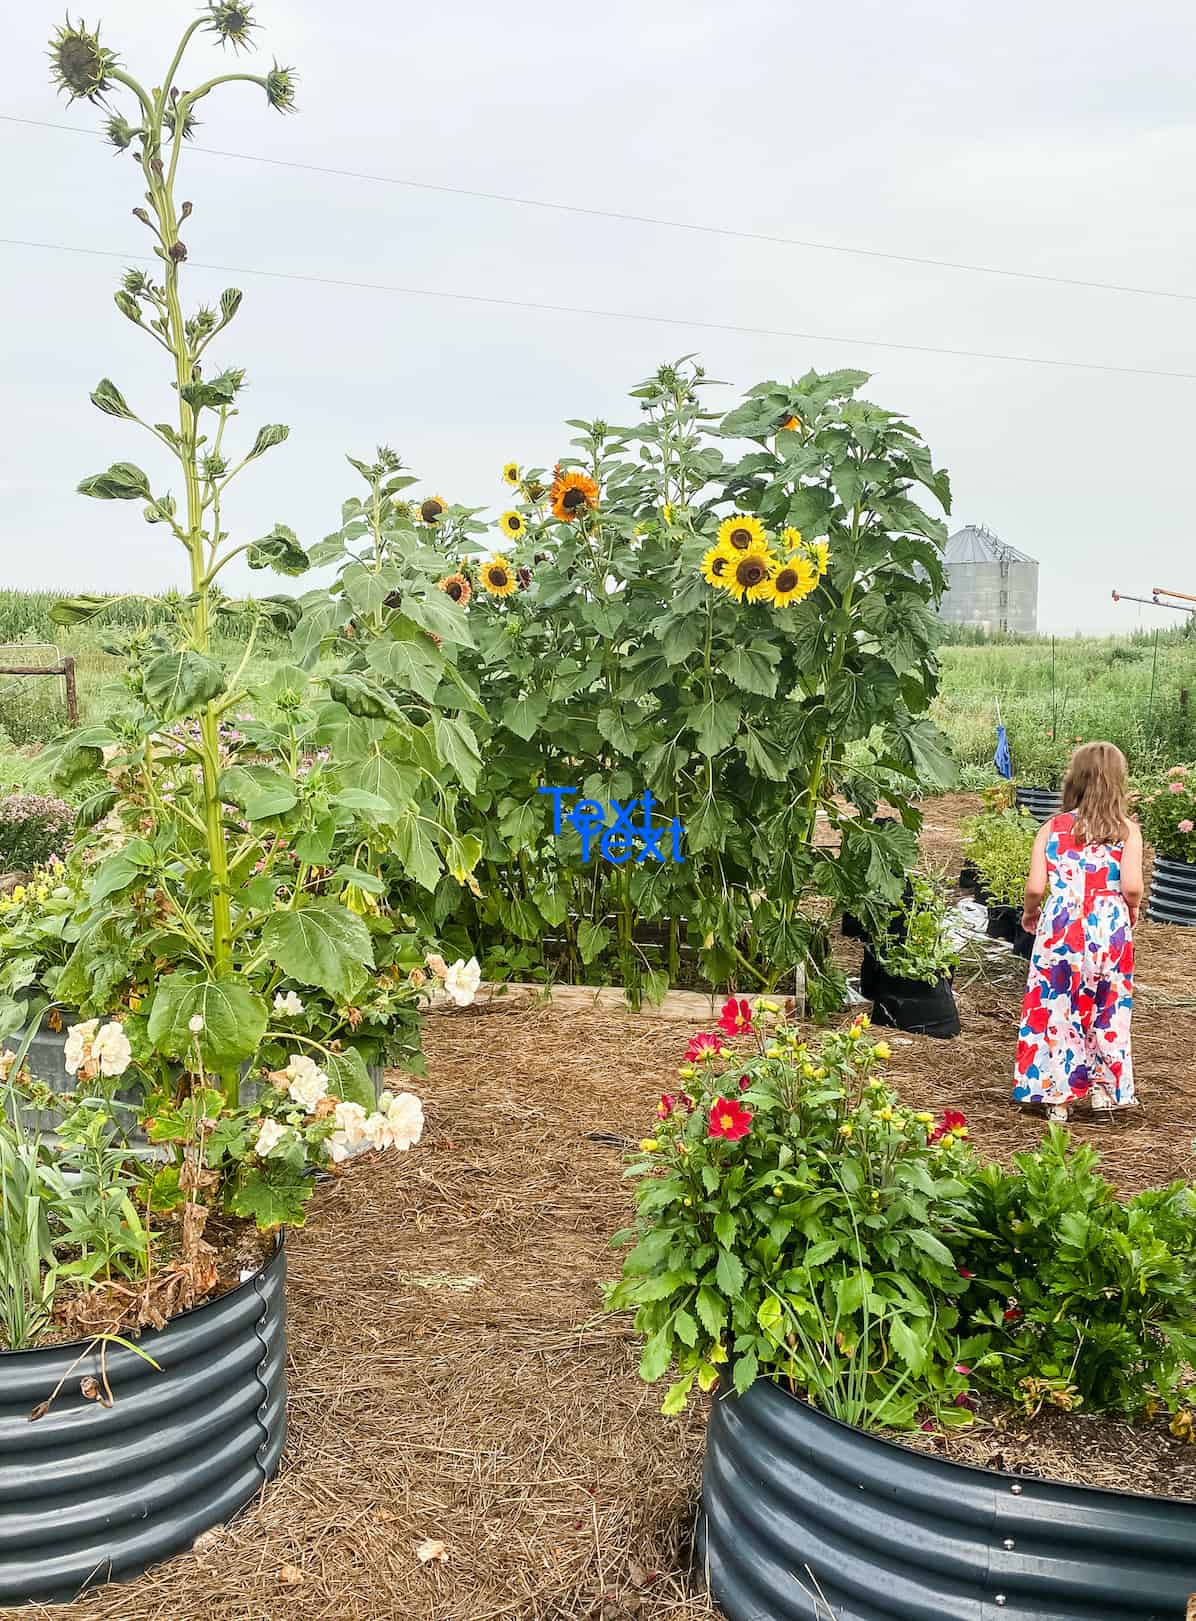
(432, 508)
(742, 533)
(789, 424)
(716, 567)
(457, 587)
(792, 540)
(793, 581)
(510, 474)
(498, 577)
(749, 575)
(512, 525)
(820, 555)
(816, 552)
(570, 493)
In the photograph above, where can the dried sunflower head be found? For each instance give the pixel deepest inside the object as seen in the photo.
(80, 65)
(233, 21)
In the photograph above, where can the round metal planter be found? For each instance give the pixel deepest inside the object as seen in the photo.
(1042, 803)
(1172, 896)
(794, 1502)
(91, 1494)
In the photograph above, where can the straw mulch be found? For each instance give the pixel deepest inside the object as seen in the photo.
(452, 1378)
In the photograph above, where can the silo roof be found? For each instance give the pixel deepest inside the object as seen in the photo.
(976, 544)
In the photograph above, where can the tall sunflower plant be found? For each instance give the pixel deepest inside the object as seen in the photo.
(750, 637)
(239, 813)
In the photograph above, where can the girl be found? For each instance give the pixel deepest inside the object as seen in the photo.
(1074, 1039)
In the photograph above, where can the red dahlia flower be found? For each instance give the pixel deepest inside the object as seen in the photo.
(736, 1017)
(708, 1044)
(666, 1105)
(729, 1120)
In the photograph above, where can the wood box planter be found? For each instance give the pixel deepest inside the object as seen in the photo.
(90, 1494)
(791, 1498)
(1172, 897)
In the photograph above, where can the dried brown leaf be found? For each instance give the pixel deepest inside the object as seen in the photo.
(291, 1576)
(431, 1551)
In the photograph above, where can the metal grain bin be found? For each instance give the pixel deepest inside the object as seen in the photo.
(793, 1502)
(991, 586)
(90, 1494)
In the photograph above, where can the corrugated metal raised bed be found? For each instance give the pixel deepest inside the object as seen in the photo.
(792, 1498)
(90, 1494)
(1172, 896)
(1042, 803)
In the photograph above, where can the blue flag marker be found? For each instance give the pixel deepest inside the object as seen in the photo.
(1002, 758)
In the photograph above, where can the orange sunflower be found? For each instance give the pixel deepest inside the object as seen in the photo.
(572, 493)
(432, 508)
(457, 587)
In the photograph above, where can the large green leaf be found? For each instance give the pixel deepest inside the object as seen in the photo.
(457, 744)
(414, 847)
(178, 684)
(592, 940)
(615, 727)
(121, 870)
(715, 722)
(524, 716)
(122, 482)
(320, 944)
(375, 774)
(273, 1197)
(752, 668)
(348, 1077)
(367, 589)
(414, 665)
(436, 612)
(279, 550)
(258, 790)
(234, 1018)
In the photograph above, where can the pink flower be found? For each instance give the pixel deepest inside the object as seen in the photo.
(928, 1425)
(962, 1367)
(729, 1120)
(1178, 771)
(964, 1273)
(736, 1016)
(708, 1044)
(1186, 825)
(1176, 787)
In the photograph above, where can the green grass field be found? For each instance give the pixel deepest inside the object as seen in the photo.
(1127, 689)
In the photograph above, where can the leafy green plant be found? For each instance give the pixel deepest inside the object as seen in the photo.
(93, 1182)
(33, 827)
(28, 1270)
(1079, 1298)
(917, 943)
(999, 843)
(1167, 811)
(793, 1220)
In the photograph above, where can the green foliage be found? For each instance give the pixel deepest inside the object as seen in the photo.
(1167, 812)
(820, 1247)
(999, 843)
(916, 943)
(1078, 1298)
(33, 827)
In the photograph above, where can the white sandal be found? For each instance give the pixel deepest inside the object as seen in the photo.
(1058, 1114)
(1102, 1103)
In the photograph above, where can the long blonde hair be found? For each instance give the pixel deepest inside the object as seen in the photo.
(1096, 788)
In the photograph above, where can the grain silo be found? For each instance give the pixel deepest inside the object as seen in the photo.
(990, 585)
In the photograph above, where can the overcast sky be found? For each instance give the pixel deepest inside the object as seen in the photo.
(1038, 136)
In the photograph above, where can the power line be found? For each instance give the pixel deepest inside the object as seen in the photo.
(610, 315)
(649, 219)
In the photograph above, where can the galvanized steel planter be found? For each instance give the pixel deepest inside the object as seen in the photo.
(894, 1535)
(1042, 803)
(91, 1494)
(1172, 896)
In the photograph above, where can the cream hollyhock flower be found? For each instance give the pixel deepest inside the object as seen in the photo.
(111, 1049)
(271, 1134)
(306, 1081)
(350, 1135)
(462, 980)
(195, 1023)
(437, 964)
(77, 1051)
(400, 1121)
(289, 1004)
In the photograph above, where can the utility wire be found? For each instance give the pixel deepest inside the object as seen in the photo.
(611, 315)
(648, 219)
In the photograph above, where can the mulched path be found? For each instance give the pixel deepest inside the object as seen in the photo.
(452, 1376)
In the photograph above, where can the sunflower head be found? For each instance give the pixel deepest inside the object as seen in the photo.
(119, 132)
(280, 88)
(512, 525)
(456, 587)
(233, 21)
(742, 533)
(498, 577)
(791, 582)
(573, 493)
(716, 567)
(749, 576)
(189, 123)
(820, 555)
(432, 509)
(789, 424)
(79, 64)
(510, 474)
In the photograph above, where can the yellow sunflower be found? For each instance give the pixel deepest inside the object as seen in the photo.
(498, 577)
(792, 540)
(750, 574)
(742, 533)
(512, 525)
(432, 508)
(716, 566)
(795, 579)
(457, 587)
(791, 424)
(571, 494)
(510, 474)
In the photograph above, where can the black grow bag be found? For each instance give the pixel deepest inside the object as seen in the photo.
(908, 1004)
(790, 1497)
(90, 1494)
(969, 878)
(1172, 896)
(1005, 923)
(1042, 803)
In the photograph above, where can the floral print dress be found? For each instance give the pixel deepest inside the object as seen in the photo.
(1075, 1032)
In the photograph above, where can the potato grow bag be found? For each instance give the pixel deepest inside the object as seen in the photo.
(915, 1005)
(969, 878)
(792, 1498)
(1005, 923)
(91, 1494)
(1042, 803)
(1172, 896)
